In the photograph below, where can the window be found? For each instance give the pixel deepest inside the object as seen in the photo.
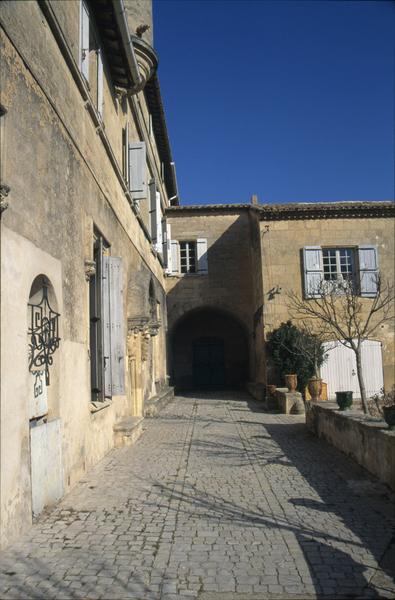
(91, 59)
(358, 265)
(106, 324)
(338, 264)
(188, 257)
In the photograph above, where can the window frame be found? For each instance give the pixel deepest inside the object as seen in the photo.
(189, 245)
(339, 275)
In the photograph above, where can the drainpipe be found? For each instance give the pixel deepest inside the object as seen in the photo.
(120, 16)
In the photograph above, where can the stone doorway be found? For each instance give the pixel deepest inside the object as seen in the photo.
(209, 350)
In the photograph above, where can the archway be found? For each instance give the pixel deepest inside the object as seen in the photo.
(209, 351)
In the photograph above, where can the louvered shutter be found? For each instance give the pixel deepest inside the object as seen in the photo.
(202, 264)
(84, 41)
(153, 212)
(164, 241)
(159, 237)
(137, 170)
(174, 249)
(169, 261)
(100, 82)
(313, 270)
(368, 270)
(106, 325)
(117, 342)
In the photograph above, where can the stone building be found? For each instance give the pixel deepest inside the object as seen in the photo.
(87, 174)
(231, 269)
(108, 286)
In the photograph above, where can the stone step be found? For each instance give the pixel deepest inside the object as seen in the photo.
(155, 404)
(127, 431)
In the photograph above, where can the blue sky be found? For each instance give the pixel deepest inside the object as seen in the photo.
(293, 101)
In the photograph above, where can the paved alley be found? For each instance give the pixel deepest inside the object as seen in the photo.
(216, 500)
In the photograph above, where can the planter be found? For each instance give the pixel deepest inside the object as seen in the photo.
(315, 388)
(344, 400)
(271, 390)
(389, 416)
(291, 381)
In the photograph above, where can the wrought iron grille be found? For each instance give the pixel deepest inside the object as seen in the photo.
(43, 334)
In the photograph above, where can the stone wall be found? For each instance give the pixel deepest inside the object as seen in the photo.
(282, 265)
(366, 440)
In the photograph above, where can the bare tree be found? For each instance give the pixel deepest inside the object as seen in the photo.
(336, 311)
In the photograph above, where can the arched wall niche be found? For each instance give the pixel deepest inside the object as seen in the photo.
(41, 289)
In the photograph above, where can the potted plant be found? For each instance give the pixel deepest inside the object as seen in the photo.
(344, 399)
(298, 353)
(383, 406)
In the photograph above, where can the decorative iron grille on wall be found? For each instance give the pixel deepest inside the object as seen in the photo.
(43, 334)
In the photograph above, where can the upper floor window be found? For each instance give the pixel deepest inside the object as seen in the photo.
(338, 264)
(188, 257)
(358, 266)
(91, 57)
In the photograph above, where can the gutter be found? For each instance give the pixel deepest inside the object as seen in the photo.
(120, 17)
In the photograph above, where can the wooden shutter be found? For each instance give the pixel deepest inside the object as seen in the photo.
(153, 212)
(117, 342)
(368, 270)
(201, 246)
(175, 253)
(158, 223)
(84, 41)
(106, 325)
(164, 241)
(100, 83)
(313, 270)
(169, 261)
(137, 170)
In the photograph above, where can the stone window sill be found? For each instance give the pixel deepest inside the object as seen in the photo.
(98, 406)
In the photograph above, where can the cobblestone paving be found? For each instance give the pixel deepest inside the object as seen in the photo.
(216, 501)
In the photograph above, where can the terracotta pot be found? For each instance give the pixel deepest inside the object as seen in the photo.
(271, 389)
(315, 388)
(291, 381)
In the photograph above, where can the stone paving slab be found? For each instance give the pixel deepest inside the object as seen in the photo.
(216, 501)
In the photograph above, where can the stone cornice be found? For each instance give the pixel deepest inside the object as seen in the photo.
(300, 211)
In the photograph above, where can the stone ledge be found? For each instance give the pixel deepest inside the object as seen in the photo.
(289, 403)
(127, 431)
(155, 404)
(363, 438)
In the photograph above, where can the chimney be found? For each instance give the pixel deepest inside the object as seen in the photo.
(254, 199)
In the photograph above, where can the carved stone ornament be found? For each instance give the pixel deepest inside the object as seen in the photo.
(132, 343)
(4, 191)
(90, 269)
(145, 345)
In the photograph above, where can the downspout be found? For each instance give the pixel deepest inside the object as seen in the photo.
(120, 16)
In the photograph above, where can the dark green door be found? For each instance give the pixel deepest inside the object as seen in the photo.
(208, 363)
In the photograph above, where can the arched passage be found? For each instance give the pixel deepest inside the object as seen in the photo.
(209, 351)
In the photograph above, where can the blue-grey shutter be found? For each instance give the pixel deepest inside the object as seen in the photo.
(164, 241)
(100, 82)
(137, 170)
(153, 212)
(201, 244)
(169, 257)
(368, 270)
(84, 41)
(106, 325)
(174, 248)
(313, 270)
(117, 341)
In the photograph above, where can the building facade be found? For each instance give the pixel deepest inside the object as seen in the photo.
(108, 286)
(87, 175)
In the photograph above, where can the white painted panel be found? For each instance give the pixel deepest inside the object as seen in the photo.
(46, 465)
(340, 370)
(38, 401)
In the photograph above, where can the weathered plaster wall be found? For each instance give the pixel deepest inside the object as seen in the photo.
(282, 243)
(62, 186)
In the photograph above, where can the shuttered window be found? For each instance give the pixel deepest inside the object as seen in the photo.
(340, 264)
(106, 325)
(137, 170)
(188, 258)
(84, 40)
